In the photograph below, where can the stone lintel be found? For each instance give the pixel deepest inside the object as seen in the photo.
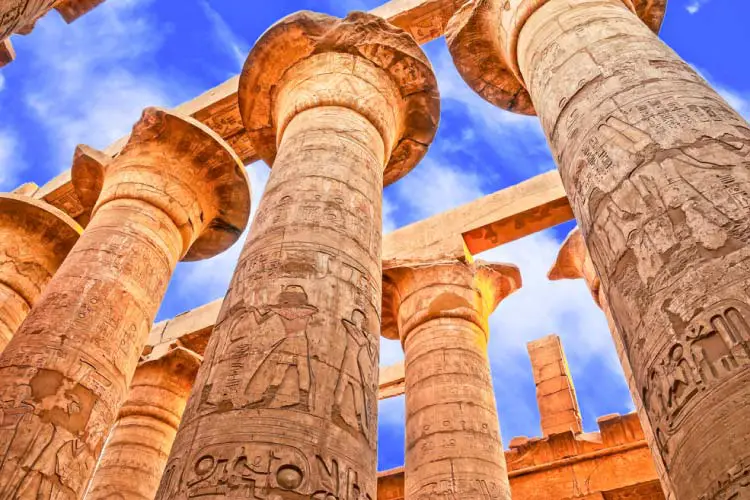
(501, 217)
(7, 53)
(555, 393)
(218, 107)
(612, 463)
(70, 10)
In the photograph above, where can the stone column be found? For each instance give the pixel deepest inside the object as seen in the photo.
(176, 191)
(285, 404)
(574, 262)
(441, 309)
(35, 238)
(555, 392)
(655, 164)
(133, 460)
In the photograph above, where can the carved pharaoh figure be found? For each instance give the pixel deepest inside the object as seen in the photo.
(292, 378)
(655, 165)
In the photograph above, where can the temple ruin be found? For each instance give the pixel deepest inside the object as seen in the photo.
(272, 392)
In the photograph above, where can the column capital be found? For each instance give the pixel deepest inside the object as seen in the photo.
(361, 62)
(482, 37)
(175, 366)
(182, 167)
(574, 262)
(36, 237)
(417, 292)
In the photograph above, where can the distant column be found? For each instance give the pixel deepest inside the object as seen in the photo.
(655, 164)
(555, 393)
(285, 404)
(35, 238)
(453, 443)
(133, 460)
(573, 262)
(176, 191)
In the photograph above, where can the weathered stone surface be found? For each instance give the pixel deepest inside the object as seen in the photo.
(483, 40)
(133, 460)
(65, 373)
(425, 20)
(7, 52)
(453, 444)
(555, 393)
(289, 380)
(35, 238)
(70, 10)
(573, 262)
(655, 164)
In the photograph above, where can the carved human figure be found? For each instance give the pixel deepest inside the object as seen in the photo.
(656, 166)
(441, 309)
(175, 192)
(147, 422)
(338, 107)
(574, 262)
(35, 238)
(358, 366)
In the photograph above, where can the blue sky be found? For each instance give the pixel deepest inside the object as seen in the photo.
(88, 82)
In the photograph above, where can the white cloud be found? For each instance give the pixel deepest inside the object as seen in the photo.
(236, 47)
(433, 187)
(2, 82)
(96, 78)
(11, 160)
(695, 5)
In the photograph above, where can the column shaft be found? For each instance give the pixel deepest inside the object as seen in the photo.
(453, 440)
(655, 164)
(134, 458)
(288, 389)
(66, 371)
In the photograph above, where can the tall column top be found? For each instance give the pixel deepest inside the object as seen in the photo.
(574, 262)
(361, 62)
(555, 393)
(482, 38)
(416, 292)
(180, 166)
(36, 239)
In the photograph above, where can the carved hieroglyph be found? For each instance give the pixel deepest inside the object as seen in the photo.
(574, 262)
(65, 373)
(35, 238)
(657, 169)
(285, 404)
(132, 462)
(453, 444)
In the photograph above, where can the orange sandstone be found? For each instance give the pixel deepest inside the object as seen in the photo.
(441, 309)
(175, 192)
(288, 389)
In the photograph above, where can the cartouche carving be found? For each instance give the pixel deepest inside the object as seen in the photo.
(655, 164)
(441, 309)
(285, 404)
(175, 192)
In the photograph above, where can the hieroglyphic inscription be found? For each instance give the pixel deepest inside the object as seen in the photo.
(657, 169)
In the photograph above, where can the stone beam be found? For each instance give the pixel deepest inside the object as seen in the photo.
(504, 216)
(218, 107)
(7, 53)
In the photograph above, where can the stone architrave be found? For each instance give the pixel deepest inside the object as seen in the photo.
(35, 238)
(574, 262)
(176, 192)
(453, 443)
(133, 460)
(7, 52)
(285, 404)
(657, 169)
